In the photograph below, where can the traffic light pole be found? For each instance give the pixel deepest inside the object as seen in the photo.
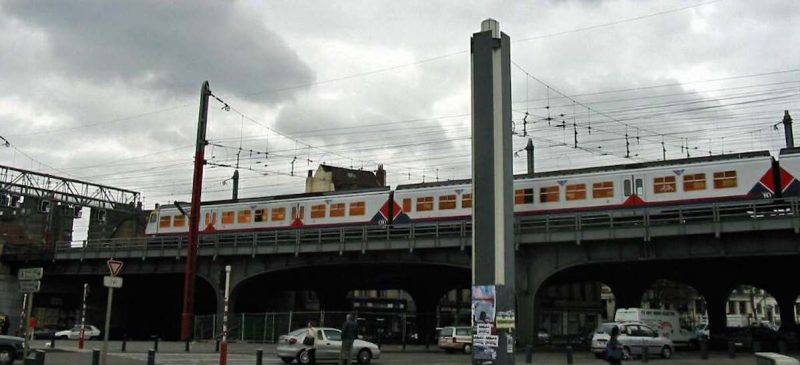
(187, 318)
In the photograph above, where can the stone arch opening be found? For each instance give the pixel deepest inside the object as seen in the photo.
(752, 306)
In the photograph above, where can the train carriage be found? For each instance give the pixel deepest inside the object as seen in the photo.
(789, 160)
(714, 178)
(280, 212)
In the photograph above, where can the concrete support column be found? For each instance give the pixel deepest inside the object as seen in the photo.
(427, 304)
(717, 317)
(786, 302)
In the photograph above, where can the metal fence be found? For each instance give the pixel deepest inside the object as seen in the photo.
(378, 327)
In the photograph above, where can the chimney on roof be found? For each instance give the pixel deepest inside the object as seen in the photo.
(381, 175)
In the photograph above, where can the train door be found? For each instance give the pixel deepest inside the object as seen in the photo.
(633, 186)
(298, 214)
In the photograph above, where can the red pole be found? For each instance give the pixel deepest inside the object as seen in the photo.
(194, 216)
(223, 346)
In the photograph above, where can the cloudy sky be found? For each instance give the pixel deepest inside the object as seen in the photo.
(108, 91)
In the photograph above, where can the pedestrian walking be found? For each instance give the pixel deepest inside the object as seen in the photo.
(310, 341)
(349, 334)
(614, 348)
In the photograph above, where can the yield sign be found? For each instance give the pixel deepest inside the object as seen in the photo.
(115, 266)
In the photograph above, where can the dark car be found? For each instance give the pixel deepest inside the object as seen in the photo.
(10, 349)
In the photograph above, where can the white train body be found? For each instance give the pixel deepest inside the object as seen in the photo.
(659, 183)
(306, 210)
(752, 175)
(789, 161)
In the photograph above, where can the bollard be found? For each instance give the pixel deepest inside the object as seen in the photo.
(216, 346)
(151, 357)
(704, 349)
(155, 343)
(53, 340)
(124, 341)
(756, 346)
(645, 354)
(259, 357)
(95, 357)
(187, 345)
(528, 354)
(569, 355)
(731, 349)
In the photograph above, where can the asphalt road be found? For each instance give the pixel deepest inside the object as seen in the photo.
(244, 354)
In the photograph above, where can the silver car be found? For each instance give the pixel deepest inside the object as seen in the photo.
(328, 344)
(634, 338)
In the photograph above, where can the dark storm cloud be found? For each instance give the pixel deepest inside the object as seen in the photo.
(168, 46)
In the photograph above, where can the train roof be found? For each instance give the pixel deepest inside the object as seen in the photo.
(287, 196)
(621, 167)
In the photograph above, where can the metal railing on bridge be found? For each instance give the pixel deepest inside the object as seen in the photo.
(622, 223)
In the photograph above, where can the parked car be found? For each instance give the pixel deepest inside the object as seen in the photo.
(634, 337)
(74, 333)
(46, 332)
(452, 339)
(10, 349)
(328, 344)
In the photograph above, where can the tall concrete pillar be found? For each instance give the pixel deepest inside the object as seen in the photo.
(717, 317)
(492, 184)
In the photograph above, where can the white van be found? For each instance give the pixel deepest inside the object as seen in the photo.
(666, 322)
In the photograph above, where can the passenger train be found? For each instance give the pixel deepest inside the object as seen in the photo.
(751, 175)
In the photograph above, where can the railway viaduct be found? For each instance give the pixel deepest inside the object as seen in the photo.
(712, 247)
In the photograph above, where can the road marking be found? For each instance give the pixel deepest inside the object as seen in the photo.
(196, 359)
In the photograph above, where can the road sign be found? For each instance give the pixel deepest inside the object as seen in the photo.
(30, 286)
(115, 266)
(31, 273)
(112, 281)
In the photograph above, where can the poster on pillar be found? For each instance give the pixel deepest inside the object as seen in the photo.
(484, 333)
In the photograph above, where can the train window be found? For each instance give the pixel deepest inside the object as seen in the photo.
(725, 179)
(278, 214)
(407, 205)
(244, 216)
(227, 217)
(466, 200)
(318, 211)
(665, 184)
(523, 196)
(627, 188)
(424, 203)
(179, 220)
(165, 221)
(337, 210)
(639, 187)
(549, 194)
(603, 190)
(693, 182)
(576, 192)
(153, 217)
(261, 215)
(357, 208)
(211, 218)
(447, 202)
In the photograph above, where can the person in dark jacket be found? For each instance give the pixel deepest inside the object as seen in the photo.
(614, 353)
(349, 334)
